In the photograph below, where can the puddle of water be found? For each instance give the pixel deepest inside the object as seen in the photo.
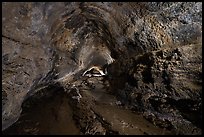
(100, 93)
(101, 96)
(51, 115)
(122, 120)
(127, 122)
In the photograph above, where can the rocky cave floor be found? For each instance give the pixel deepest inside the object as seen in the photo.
(54, 111)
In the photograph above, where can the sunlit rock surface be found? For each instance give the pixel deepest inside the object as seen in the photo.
(150, 55)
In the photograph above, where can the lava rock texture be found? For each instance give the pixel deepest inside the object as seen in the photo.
(151, 51)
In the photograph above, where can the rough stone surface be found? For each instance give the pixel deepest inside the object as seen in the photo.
(152, 52)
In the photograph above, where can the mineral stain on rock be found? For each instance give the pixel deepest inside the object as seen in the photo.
(127, 68)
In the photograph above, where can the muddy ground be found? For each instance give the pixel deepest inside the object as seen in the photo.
(102, 68)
